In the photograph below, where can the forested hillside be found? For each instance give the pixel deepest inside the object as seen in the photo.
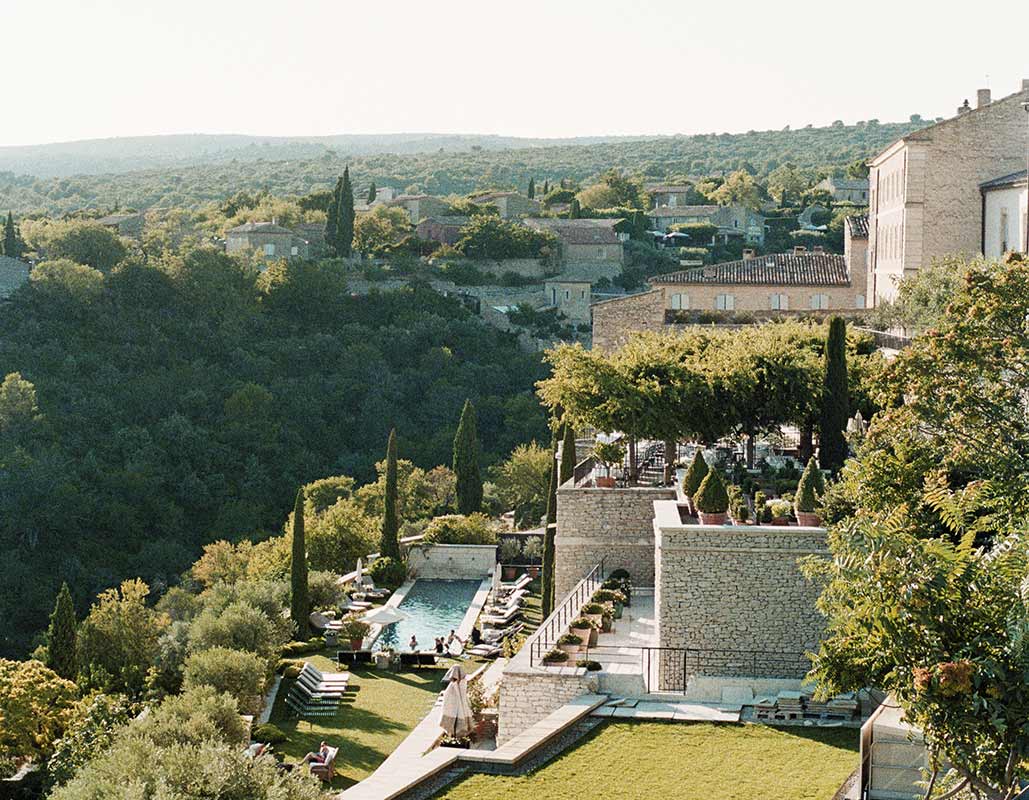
(449, 172)
(157, 408)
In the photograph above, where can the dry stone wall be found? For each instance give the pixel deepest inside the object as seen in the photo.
(529, 694)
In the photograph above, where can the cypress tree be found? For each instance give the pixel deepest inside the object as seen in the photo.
(61, 636)
(567, 456)
(546, 187)
(547, 578)
(12, 245)
(389, 543)
(531, 191)
(372, 191)
(575, 210)
(832, 445)
(345, 217)
(300, 599)
(331, 215)
(466, 462)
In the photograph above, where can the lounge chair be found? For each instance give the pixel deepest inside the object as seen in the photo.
(493, 635)
(349, 658)
(325, 770)
(484, 651)
(521, 583)
(501, 620)
(409, 659)
(426, 659)
(325, 677)
(322, 623)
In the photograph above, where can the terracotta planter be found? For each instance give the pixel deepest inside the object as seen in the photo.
(718, 518)
(534, 572)
(597, 618)
(355, 644)
(509, 573)
(582, 633)
(594, 637)
(808, 519)
(780, 521)
(571, 649)
(606, 483)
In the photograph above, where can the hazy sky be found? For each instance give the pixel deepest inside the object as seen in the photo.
(101, 68)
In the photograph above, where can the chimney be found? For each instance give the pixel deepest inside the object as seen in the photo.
(1025, 84)
(982, 98)
(964, 109)
(748, 253)
(817, 249)
(799, 249)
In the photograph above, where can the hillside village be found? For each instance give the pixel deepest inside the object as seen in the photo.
(717, 473)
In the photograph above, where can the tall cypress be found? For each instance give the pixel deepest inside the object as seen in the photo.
(531, 191)
(574, 209)
(12, 245)
(372, 192)
(546, 187)
(332, 215)
(547, 582)
(832, 445)
(466, 462)
(300, 598)
(389, 542)
(345, 217)
(567, 456)
(61, 636)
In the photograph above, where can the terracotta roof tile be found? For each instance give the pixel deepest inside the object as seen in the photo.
(779, 269)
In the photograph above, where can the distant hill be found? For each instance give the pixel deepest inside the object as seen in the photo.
(295, 167)
(125, 154)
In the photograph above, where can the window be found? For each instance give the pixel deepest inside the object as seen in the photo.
(553, 296)
(1003, 230)
(859, 301)
(269, 249)
(725, 302)
(582, 294)
(680, 302)
(819, 301)
(779, 302)
(294, 251)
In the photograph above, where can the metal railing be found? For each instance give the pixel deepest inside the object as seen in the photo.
(557, 623)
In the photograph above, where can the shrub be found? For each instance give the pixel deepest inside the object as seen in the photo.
(592, 608)
(460, 529)
(761, 511)
(570, 638)
(582, 622)
(510, 549)
(388, 573)
(811, 488)
(695, 475)
(711, 497)
(324, 589)
(238, 627)
(354, 628)
(533, 549)
(289, 667)
(555, 657)
(608, 596)
(96, 721)
(292, 649)
(268, 734)
(238, 673)
(780, 509)
(620, 574)
(589, 666)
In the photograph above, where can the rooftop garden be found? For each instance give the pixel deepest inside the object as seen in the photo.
(654, 759)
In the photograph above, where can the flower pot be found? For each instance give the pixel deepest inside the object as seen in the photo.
(618, 610)
(509, 573)
(780, 521)
(582, 633)
(597, 618)
(606, 482)
(571, 649)
(717, 518)
(355, 644)
(534, 572)
(808, 519)
(594, 637)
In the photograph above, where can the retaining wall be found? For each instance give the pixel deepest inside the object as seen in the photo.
(452, 560)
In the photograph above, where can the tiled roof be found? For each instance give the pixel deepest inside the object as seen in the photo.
(579, 231)
(859, 184)
(458, 222)
(481, 198)
(1014, 179)
(858, 226)
(260, 227)
(779, 269)
(684, 211)
(13, 273)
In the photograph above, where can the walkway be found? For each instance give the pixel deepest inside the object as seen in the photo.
(675, 711)
(619, 654)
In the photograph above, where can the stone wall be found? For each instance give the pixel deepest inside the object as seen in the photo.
(738, 591)
(529, 694)
(612, 524)
(614, 320)
(457, 561)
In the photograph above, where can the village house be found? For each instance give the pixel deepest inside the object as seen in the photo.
(570, 295)
(266, 238)
(13, 275)
(671, 195)
(511, 205)
(1005, 215)
(585, 240)
(129, 225)
(925, 199)
(845, 190)
(420, 206)
(445, 230)
(731, 221)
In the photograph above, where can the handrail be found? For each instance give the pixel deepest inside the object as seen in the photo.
(552, 627)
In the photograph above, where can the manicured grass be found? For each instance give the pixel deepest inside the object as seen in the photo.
(376, 715)
(647, 760)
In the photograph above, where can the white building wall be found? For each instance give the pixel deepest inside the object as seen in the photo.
(1005, 221)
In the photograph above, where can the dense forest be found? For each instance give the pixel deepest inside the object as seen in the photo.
(457, 172)
(155, 408)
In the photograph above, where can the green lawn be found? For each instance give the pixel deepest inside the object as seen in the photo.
(646, 760)
(376, 715)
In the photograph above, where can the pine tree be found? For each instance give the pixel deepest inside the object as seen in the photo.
(331, 216)
(567, 456)
(12, 245)
(300, 599)
(574, 209)
(466, 462)
(61, 636)
(389, 543)
(531, 191)
(372, 191)
(547, 578)
(832, 445)
(345, 217)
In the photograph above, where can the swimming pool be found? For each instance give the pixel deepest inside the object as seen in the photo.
(433, 607)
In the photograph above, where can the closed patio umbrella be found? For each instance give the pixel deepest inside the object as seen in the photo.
(360, 569)
(497, 588)
(384, 615)
(456, 717)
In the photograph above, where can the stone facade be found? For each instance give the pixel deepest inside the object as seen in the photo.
(451, 561)
(529, 694)
(615, 320)
(737, 591)
(611, 524)
(924, 199)
(570, 297)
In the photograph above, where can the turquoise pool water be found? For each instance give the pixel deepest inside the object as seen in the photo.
(432, 607)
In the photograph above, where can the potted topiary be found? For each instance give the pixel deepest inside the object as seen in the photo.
(555, 657)
(593, 612)
(612, 596)
(711, 500)
(608, 453)
(533, 551)
(354, 630)
(810, 490)
(694, 476)
(607, 619)
(582, 628)
(510, 550)
(761, 513)
(571, 643)
(739, 511)
(779, 510)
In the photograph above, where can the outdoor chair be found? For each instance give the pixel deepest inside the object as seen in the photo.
(519, 584)
(426, 659)
(500, 620)
(492, 635)
(409, 659)
(326, 770)
(484, 651)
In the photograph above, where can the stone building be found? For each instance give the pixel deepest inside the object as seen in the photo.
(1005, 220)
(128, 225)
(511, 205)
(855, 250)
(585, 240)
(13, 275)
(266, 238)
(732, 221)
(420, 206)
(672, 195)
(845, 190)
(924, 196)
(445, 230)
(569, 295)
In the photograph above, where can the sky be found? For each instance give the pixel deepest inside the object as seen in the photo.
(540, 68)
